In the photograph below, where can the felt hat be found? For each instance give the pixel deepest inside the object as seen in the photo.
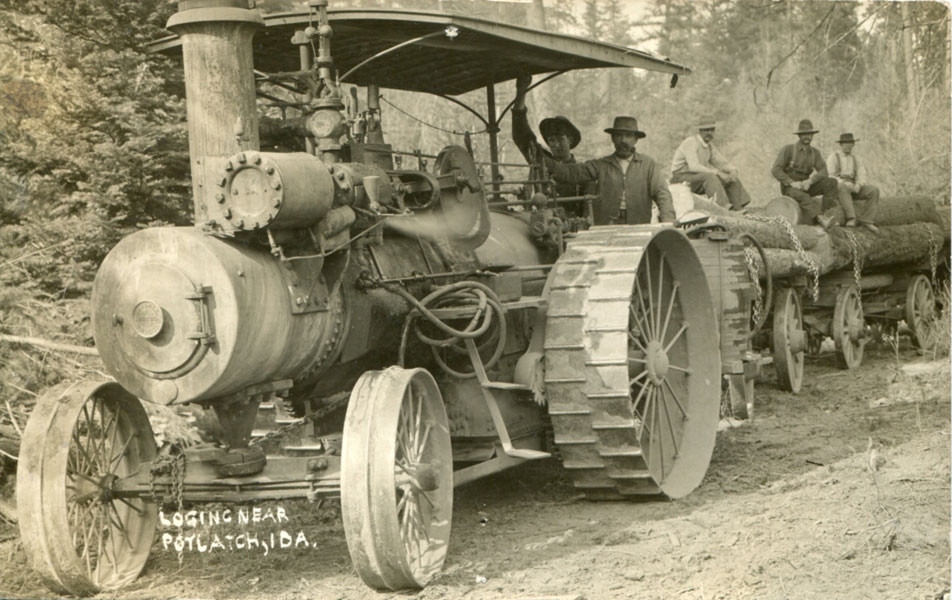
(806, 126)
(626, 125)
(846, 138)
(553, 125)
(707, 122)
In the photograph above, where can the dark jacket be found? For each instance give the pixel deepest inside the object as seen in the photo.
(637, 187)
(796, 162)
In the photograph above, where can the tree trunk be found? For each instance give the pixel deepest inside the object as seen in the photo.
(908, 59)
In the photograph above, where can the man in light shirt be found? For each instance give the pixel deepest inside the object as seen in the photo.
(698, 163)
(850, 175)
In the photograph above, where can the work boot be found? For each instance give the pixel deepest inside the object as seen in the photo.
(851, 222)
(825, 222)
(869, 226)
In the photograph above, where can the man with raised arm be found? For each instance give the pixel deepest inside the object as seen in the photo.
(628, 182)
(558, 133)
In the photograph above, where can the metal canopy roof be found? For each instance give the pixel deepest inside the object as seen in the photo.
(481, 52)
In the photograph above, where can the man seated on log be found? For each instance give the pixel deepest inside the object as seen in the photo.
(698, 163)
(559, 134)
(850, 175)
(802, 175)
(628, 182)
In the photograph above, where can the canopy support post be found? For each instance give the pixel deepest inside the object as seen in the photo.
(493, 130)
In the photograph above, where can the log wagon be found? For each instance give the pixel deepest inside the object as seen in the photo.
(813, 284)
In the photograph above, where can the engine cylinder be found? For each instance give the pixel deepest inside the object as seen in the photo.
(181, 316)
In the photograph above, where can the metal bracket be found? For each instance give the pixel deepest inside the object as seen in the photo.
(204, 335)
(485, 384)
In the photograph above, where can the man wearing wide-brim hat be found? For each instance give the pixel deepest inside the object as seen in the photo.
(700, 164)
(628, 182)
(559, 134)
(850, 176)
(802, 174)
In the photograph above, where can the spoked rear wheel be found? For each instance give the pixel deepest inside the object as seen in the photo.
(920, 309)
(80, 439)
(396, 478)
(849, 328)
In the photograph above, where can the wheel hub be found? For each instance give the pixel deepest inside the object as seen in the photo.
(657, 362)
(798, 341)
(855, 329)
(105, 487)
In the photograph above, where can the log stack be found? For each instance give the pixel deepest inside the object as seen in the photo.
(910, 229)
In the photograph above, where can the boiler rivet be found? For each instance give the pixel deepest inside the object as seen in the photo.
(242, 159)
(222, 182)
(257, 159)
(227, 213)
(299, 301)
(220, 197)
(229, 166)
(276, 185)
(269, 170)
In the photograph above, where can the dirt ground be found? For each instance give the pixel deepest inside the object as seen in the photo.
(839, 492)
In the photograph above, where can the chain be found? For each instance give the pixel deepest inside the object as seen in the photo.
(812, 267)
(857, 261)
(175, 467)
(754, 274)
(322, 412)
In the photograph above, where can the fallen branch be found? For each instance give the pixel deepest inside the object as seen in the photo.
(50, 345)
(13, 418)
(8, 511)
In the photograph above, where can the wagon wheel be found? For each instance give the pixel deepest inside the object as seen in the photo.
(741, 392)
(396, 478)
(80, 439)
(849, 328)
(920, 309)
(789, 340)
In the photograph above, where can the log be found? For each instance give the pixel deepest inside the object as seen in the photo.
(899, 210)
(781, 206)
(893, 245)
(770, 233)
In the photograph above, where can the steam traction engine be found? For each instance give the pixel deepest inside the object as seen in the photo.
(462, 333)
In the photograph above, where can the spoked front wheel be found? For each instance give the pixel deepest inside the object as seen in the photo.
(396, 478)
(789, 339)
(80, 439)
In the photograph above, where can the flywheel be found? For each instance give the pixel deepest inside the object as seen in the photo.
(632, 363)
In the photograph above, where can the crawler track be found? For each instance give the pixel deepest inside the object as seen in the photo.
(632, 385)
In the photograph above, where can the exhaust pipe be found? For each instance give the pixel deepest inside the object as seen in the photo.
(219, 87)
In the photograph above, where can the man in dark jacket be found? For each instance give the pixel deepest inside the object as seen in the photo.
(802, 174)
(558, 133)
(628, 182)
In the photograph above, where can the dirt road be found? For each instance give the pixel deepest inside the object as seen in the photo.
(839, 492)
